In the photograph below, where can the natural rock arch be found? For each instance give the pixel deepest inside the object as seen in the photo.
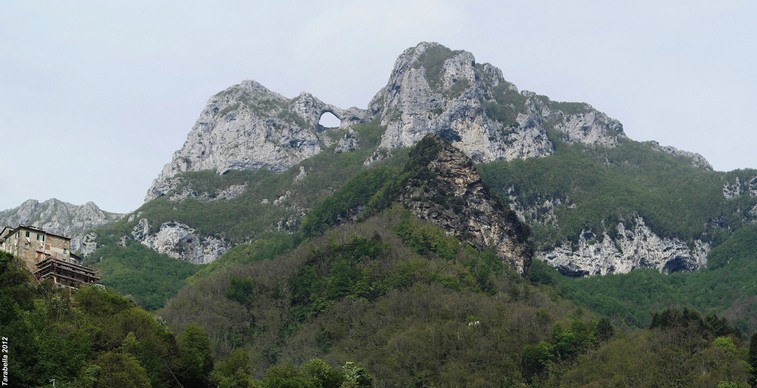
(329, 119)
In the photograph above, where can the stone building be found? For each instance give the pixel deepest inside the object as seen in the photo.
(47, 255)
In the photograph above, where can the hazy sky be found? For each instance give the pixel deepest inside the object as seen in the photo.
(96, 96)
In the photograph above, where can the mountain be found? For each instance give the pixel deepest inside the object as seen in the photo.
(248, 127)
(424, 241)
(431, 90)
(256, 165)
(61, 218)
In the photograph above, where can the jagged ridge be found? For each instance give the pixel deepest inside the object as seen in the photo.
(59, 217)
(431, 90)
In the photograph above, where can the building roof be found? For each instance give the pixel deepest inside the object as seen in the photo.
(34, 228)
(6, 231)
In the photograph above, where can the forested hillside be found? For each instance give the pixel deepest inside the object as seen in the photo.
(93, 337)
(415, 306)
(457, 232)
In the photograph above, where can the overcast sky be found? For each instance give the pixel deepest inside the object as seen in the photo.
(96, 96)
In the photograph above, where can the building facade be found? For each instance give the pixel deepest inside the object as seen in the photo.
(47, 255)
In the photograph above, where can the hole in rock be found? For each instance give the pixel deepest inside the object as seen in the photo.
(328, 120)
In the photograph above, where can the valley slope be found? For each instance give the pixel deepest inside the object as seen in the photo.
(456, 230)
(255, 163)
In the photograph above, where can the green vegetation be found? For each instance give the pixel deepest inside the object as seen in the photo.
(570, 108)
(427, 305)
(600, 187)
(265, 213)
(505, 105)
(357, 193)
(432, 59)
(141, 273)
(417, 307)
(93, 337)
(727, 287)
(681, 349)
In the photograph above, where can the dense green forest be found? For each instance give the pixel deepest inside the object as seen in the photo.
(601, 186)
(361, 282)
(93, 337)
(417, 307)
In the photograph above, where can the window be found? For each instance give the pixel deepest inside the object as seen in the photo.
(40, 237)
(28, 233)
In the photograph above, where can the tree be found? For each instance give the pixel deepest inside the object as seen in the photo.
(321, 374)
(118, 370)
(355, 376)
(604, 330)
(195, 356)
(234, 370)
(285, 376)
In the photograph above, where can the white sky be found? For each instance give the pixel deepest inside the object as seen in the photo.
(96, 96)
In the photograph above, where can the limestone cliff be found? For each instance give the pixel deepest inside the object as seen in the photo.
(444, 188)
(247, 127)
(59, 217)
(433, 89)
(179, 241)
(630, 247)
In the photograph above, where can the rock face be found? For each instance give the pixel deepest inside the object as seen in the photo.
(59, 217)
(445, 189)
(696, 159)
(180, 242)
(248, 127)
(635, 246)
(433, 89)
(740, 187)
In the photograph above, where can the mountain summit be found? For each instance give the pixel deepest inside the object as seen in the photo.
(248, 127)
(598, 202)
(431, 89)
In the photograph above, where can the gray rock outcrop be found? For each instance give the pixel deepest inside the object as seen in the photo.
(59, 217)
(634, 246)
(740, 187)
(433, 89)
(447, 191)
(696, 159)
(248, 127)
(179, 241)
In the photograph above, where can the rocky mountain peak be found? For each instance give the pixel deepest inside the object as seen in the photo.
(247, 127)
(445, 189)
(433, 89)
(58, 217)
